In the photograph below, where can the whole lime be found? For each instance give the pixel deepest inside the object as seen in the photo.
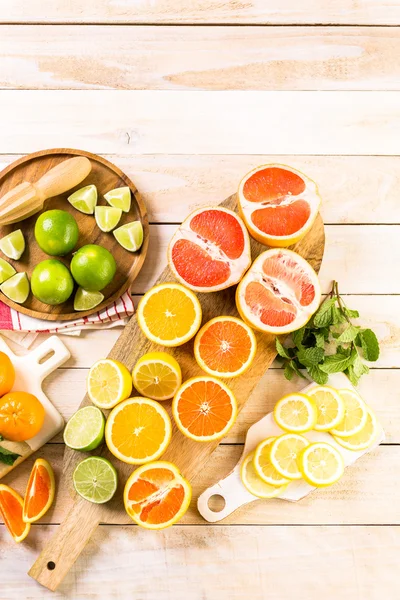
(51, 282)
(56, 232)
(93, 267)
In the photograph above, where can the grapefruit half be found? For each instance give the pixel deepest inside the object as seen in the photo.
(279, 293)
(278, 204)
(210, 251)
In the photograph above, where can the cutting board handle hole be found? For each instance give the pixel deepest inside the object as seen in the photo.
(216, 503)
(46, 357)
(51, 565)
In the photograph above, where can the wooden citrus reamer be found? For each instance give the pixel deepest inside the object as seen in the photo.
(65, 546)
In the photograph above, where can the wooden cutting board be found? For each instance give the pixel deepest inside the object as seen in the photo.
(71, 537)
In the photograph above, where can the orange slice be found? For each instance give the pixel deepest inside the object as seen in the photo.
(138, 430)
(40, 491)
(11, 505)
(204, 409)
(278, 204)
(156, 495)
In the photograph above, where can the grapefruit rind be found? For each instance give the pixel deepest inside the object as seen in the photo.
(247, 208)
(255, 274)
(45, 464)
(237, 266)
(20, 500)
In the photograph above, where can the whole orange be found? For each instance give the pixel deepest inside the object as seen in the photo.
(21, 416)
(7, 374)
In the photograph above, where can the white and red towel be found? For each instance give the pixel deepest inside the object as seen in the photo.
(23, 329)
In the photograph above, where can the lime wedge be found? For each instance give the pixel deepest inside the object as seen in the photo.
(6, 270)
(119, 198)
(16, 288)
(84, 199)
(13, 244)
(107, 217)
(85, 429)
(95, 479)
(130, 236)
(85, 300)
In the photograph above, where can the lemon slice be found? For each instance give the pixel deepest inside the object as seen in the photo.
(263, 465)
(355, 414)
(16, 288)
(254, 484)
(295, 413)
(364, 438)
(321, 464)
(85, 300)
(84, 199)
(107, 217)
(108, 383)
(330, 407)
(13, 244)
(130, 236)
(157, 375)
(6, 270)
(119, 198)
(284, 454)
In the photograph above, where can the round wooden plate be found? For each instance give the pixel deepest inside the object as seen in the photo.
(106, 177)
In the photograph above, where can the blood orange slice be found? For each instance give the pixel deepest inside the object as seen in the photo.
(279, 293)
(40, 490)
(211, 250)
(11, 505)
(156, 495)
(278, 204)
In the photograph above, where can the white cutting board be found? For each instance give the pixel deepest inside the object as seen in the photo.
(231, 487)
(30, 371)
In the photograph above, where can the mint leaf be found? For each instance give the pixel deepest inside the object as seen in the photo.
(298, 336)
(351, 374)
(352, 314)
(317, 375)
(296, 369)
(338, 362)
(349, 334)
(281, 350)
(369, 344)
(310, 356)
(6, 456)
(319, 339)
(288, 371)
(359, 367)
(337, 316)
(323, 316)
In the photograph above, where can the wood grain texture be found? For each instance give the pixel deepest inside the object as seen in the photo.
(199, 58)
(106, 177)
(174, 122)
(368, 12)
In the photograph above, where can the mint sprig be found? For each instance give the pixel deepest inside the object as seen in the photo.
(330, 329)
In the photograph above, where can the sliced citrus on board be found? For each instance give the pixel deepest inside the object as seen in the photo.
(169, 314)
(138, 430)
(157, 375)
(263, 466)
(86, 300)
(11, 505)
(95, 479)
(278, 204)
(355, 414)
(84, 199)
(321, 464)
(285, 452)
(40, 491)
(16, 288)
(85, 429)
(119, 198)
(210, 251)
(108, 383)
(107, 217)
(330, 407)
(295, 413)
(204, 409)
(13, 244)
(254, 484)
(279, 292)
(130, 236)
(157, 495)
(225, 347)
(364, 438)
(21, 416)
(6, 270)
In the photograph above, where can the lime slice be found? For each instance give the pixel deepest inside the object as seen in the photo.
(85, 429)
(6, 270)
(16, 288)
(130, 236)
(85, 300)
(107, 217)
(119, 198)
(84, 199)
(13, 244)
(95, 479)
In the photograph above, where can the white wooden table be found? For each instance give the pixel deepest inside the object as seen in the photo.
(186, 96)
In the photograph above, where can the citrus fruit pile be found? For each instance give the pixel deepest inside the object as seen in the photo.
(277, 461)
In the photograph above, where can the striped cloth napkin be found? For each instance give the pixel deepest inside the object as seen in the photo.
(23, 329)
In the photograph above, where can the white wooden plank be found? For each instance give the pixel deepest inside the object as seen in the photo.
(195, 58)
(353, 563)
(201, 122)
(354, 189)
(202, 11)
